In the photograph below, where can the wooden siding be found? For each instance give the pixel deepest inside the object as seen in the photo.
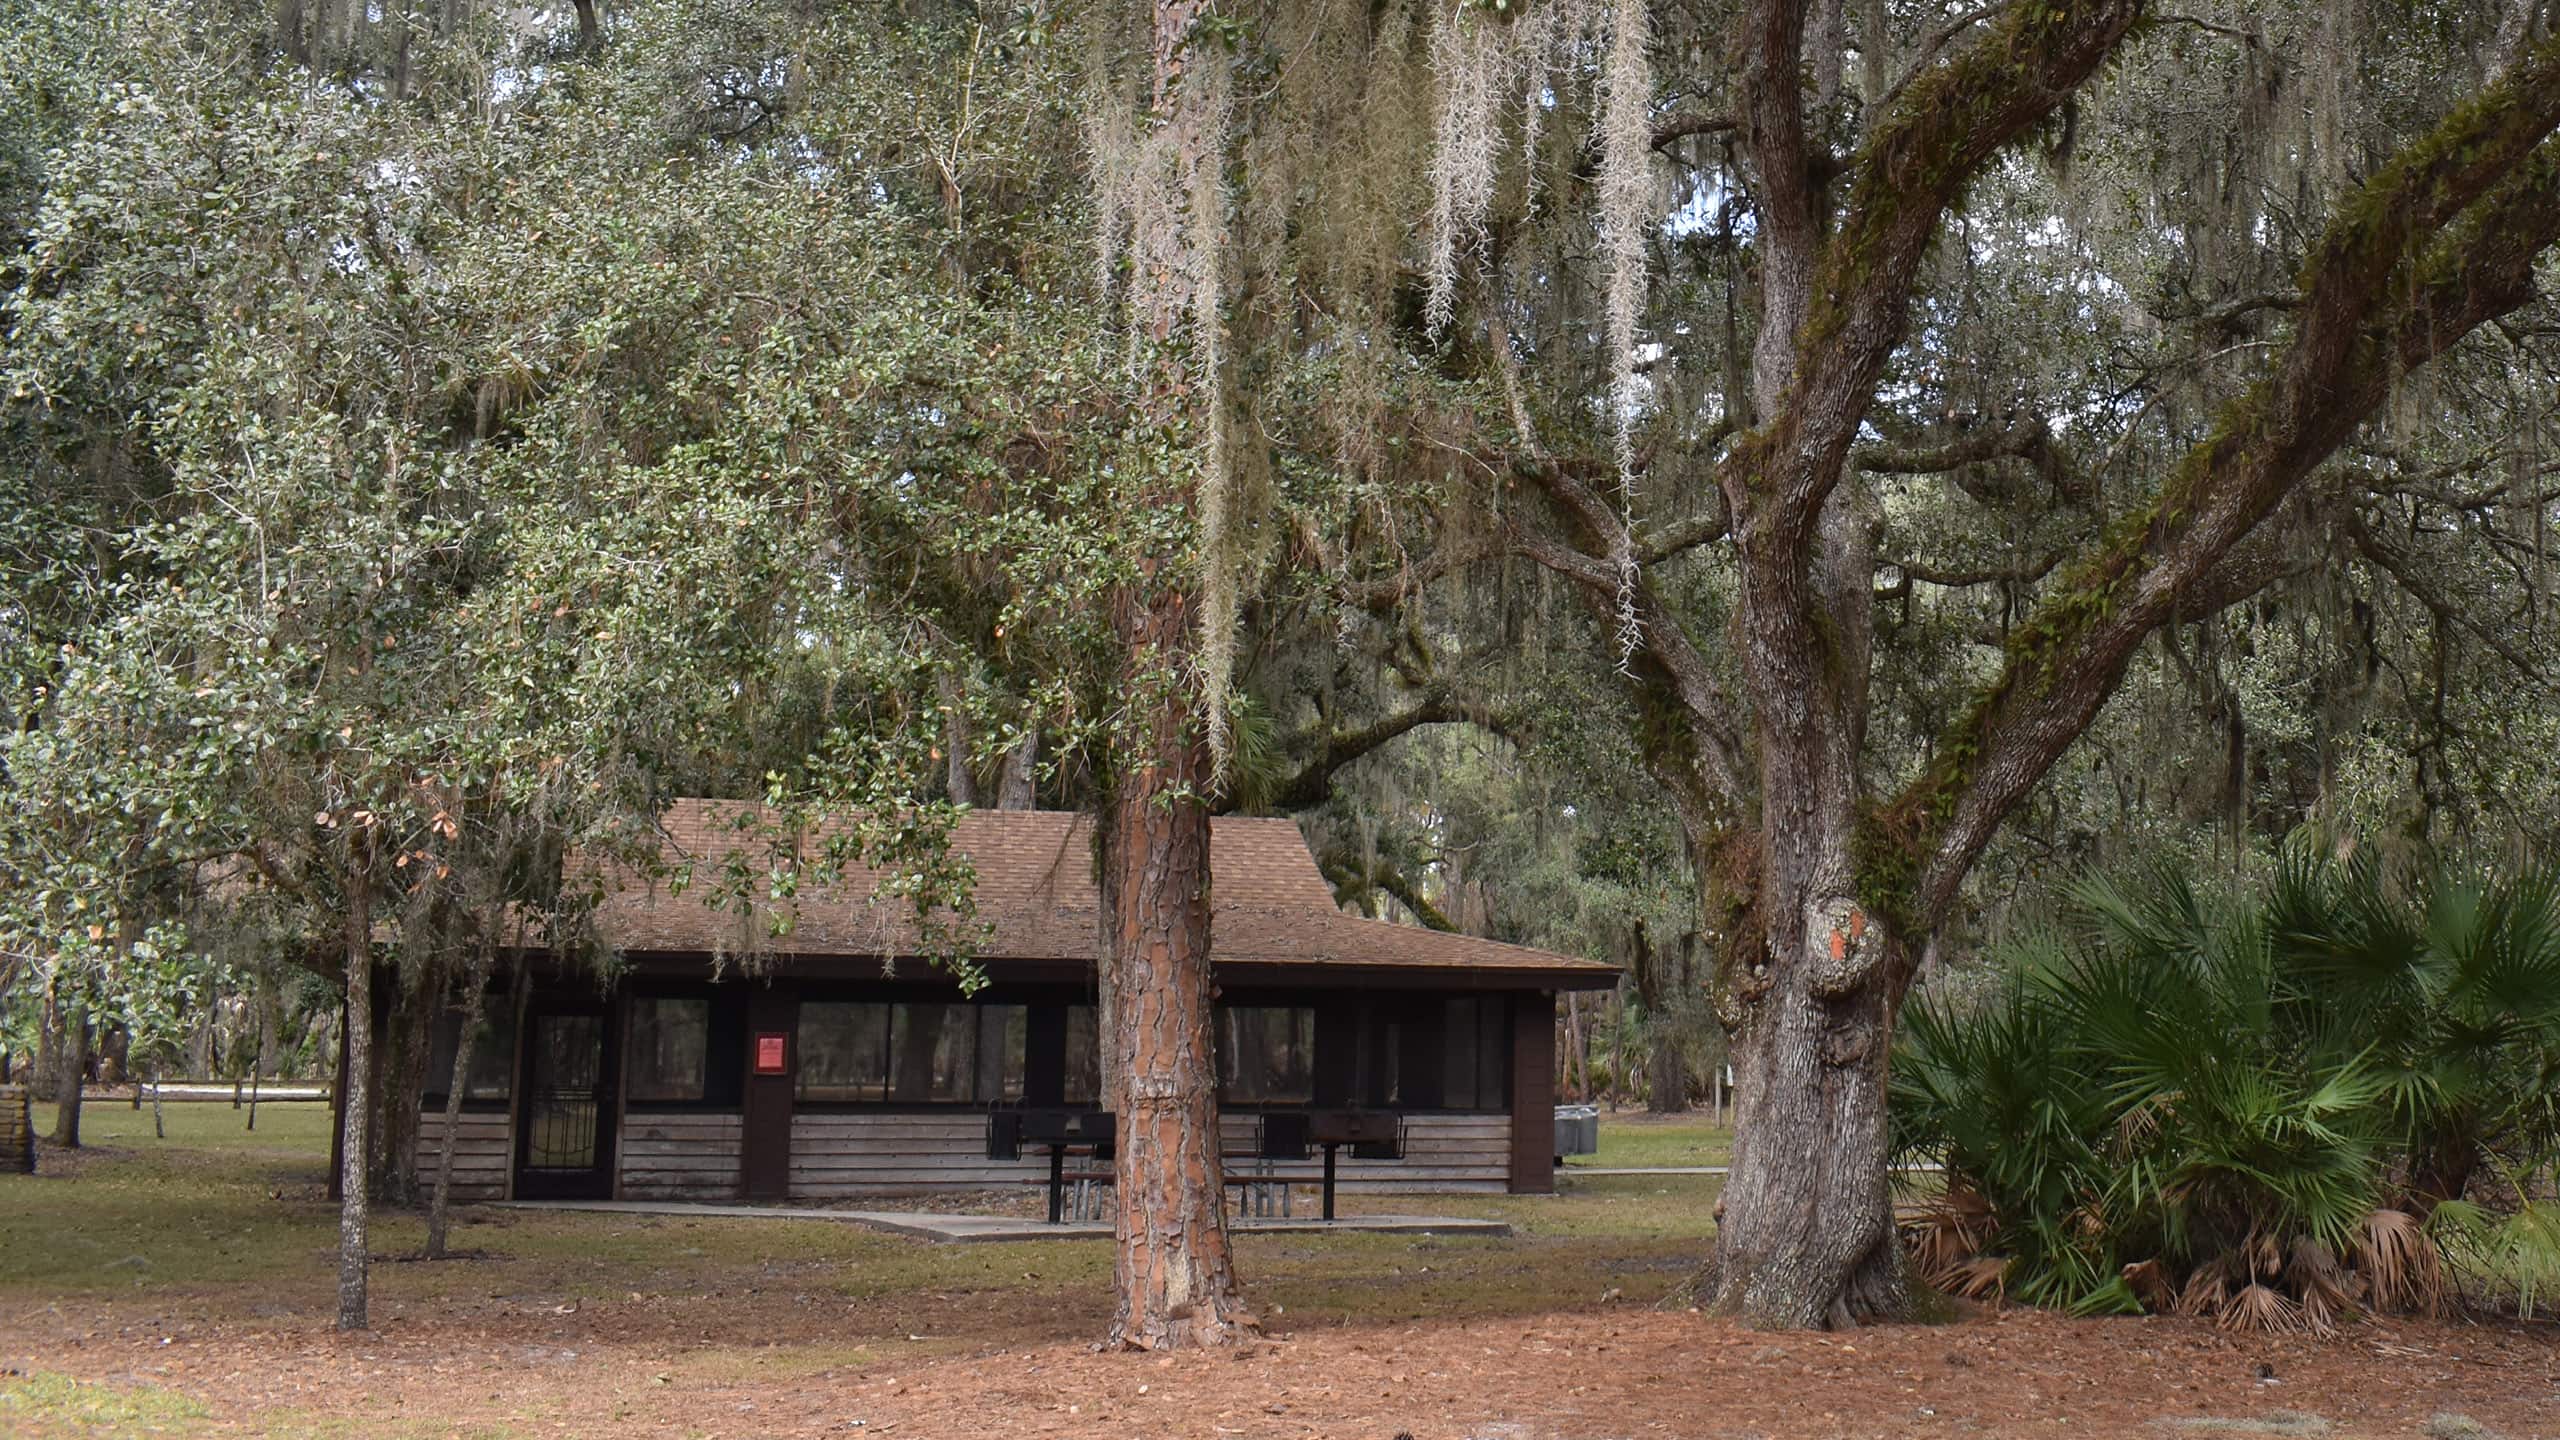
(836, 1156)
(846, 1153)
(483, 1152)
(679, 1155)
(1441, 1153)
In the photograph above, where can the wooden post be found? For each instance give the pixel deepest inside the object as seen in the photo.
(764, 1142)
(1533, 1093)
(17, 1132)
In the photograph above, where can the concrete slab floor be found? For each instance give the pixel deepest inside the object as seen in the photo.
(968, 1229)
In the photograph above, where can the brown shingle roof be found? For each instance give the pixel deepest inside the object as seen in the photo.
(1037, 901)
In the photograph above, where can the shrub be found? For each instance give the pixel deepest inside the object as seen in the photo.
(2275, 1106)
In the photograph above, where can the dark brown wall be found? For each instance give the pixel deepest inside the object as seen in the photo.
(1533, 1093)
(764, 1151)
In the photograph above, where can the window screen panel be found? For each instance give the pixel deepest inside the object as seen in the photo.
(844, 1051)
(1266, 1054)
(1084, 1057)
(669, 1049)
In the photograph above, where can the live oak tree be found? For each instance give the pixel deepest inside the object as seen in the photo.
(726, 403)
(1823, 872)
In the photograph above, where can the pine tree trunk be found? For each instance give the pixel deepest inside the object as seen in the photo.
(355, 1105)
(1175, 1274)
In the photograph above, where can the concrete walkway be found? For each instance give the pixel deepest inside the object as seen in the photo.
(970, 1229)
(1930, 1167)
(1564, 1170)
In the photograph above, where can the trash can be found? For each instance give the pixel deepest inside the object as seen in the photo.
(1577, 1130)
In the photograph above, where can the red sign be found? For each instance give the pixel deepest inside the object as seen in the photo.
(769, 1054)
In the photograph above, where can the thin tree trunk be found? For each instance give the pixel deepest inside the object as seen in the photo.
(961, 782)
(355, 1104)
(474, 996)
(292, 33)
(46, 1073)
(69, 1079)
(159, 1123)
(400, 1075)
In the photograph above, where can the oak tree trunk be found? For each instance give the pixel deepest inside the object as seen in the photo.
(71, 1057)
(475, 989)
(1657, 982)
(1807, 1238)
(400, 1073)
(355, 1105)
(46, 1072)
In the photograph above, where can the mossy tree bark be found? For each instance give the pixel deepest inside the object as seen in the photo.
(1822, 894)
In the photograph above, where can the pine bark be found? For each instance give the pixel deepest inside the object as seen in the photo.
(1174, 1275)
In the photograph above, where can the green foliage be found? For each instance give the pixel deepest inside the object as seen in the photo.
(2186, 1096)
(467, 476)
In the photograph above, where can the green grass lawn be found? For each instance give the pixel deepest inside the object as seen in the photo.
(287, 1129)
(215, 1225)
(1634, 1138)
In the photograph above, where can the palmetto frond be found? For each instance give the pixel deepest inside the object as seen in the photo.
(2266, 1107)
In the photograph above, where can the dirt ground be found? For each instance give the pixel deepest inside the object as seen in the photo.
(184, 1288)
(644, 1367)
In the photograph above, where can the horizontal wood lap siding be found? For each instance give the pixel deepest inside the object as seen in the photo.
(685, 1156)
(1441, 1152)
(483, 1152)
(855, 1154)
(834, 1156)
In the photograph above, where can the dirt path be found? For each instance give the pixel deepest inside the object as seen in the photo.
(649, 1368)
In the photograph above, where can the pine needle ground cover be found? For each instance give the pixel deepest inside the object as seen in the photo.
(184, 1288)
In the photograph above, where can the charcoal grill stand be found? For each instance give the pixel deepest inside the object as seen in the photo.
(1058, 1129)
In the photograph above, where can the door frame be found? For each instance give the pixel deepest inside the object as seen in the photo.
(601, 1180)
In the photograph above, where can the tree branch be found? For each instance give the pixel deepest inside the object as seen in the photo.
(2401, 569)
(1312, 784)
(1684, 672)
(1357, 882)
(2382, 294)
